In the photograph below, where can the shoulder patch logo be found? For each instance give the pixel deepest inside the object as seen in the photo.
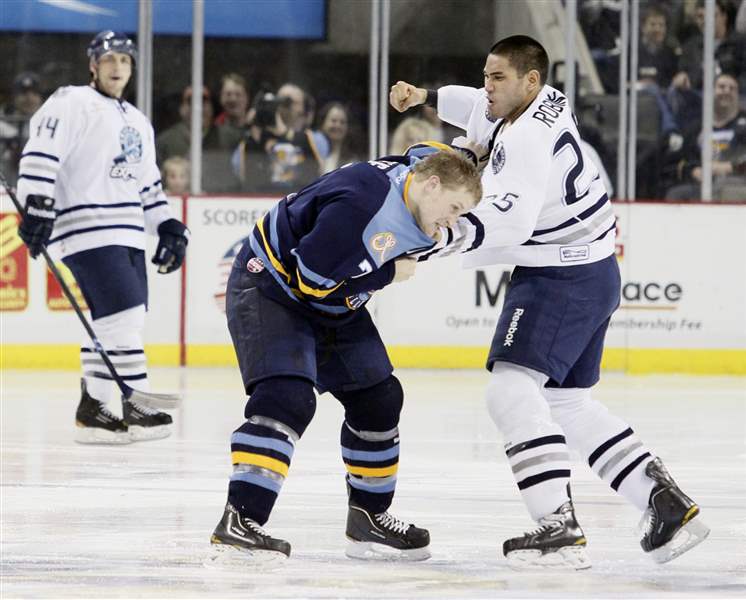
(498, 158)
(255, 265)
(381, 242)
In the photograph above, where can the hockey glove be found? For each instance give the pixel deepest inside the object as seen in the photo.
(38, 222)
(171, 250)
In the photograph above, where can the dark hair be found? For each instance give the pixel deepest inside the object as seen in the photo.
(653, 10)
(524, 54)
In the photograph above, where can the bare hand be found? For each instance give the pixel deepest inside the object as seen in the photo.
(405, 267)
(404, 95)
(681, 81)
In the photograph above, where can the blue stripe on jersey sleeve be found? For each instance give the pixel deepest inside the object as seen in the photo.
(155, 204)
(51, 157)
(65, 211)
(36, 178)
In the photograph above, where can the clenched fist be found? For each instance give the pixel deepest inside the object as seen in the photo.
(404, 95)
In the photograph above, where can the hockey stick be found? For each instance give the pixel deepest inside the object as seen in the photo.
(128, 393)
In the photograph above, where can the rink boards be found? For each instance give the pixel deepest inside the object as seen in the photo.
(683, 305)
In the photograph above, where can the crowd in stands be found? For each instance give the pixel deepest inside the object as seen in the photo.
(670, 88)
(265, 140)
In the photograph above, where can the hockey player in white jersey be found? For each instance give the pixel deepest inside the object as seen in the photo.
(91, 190)
(546, 210)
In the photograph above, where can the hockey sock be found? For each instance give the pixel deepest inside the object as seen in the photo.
(372, 460)
(261, 450)
(612, 449)
(121, 336)
(278, 412)
(534, 445)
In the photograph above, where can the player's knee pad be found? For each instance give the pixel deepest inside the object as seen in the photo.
(375, 408)
(125, 323)
(515, 402)
(285, 401)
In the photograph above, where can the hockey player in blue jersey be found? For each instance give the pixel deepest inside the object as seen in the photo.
(296, 311)
(91, 190)
(546, 210)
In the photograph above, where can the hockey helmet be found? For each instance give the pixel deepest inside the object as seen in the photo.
(111, 41)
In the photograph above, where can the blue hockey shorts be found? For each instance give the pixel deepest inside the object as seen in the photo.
(111, 278)
(273, 340)
(555, 318)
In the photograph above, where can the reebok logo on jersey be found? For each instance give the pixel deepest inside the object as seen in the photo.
(513, 327)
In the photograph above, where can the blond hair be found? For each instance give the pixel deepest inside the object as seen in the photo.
(454, 171)
(410, 131)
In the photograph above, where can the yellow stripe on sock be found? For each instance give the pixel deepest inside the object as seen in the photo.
(373, 472)
(260, 460)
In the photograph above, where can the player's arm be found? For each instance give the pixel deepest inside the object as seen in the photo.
(173, 236)
(332, 259)
(453, 102)
(52, 134)
(506, 215)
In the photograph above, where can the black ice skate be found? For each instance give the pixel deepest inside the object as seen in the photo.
(146, 423)
(558, 543)
(243, 536)
(383, 537)
(94, 424)
(667, 527)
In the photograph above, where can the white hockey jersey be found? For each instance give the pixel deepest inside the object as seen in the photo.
(96, 157)
(544, 203)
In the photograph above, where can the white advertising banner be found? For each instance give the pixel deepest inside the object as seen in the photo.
(219, 226)
(683, 277)
(683, 286)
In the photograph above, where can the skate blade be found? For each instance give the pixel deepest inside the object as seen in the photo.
(155, 401)
(142, 434)
(225, 555)
(94, 435)
(566, 558)
(382, 552)
(691, 534)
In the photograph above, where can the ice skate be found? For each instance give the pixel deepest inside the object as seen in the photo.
(667, 526)
(146, 423)
(95, 424)
(384, 537)
(558, 543)
(243, 539)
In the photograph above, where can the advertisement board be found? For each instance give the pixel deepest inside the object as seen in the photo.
(682, 307)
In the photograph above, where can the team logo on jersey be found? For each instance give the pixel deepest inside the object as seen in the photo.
(130, 142)
(255, 265)
(498, 158)
(381, 242)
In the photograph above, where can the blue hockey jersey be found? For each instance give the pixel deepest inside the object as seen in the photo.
(332, 244)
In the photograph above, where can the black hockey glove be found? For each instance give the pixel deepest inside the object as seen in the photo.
(171, 250)
(38, 222)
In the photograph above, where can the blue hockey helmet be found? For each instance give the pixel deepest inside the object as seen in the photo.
(111, 41)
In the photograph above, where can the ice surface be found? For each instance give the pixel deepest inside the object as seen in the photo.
(135, 521)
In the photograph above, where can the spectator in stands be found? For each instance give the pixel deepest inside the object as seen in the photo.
(217, 175)
(411, 131)
(658, 60)
(14, 121)
(333, 137)
(175, 176)
(278, 153)
(729, 150)
(730, 48)
(234, 101)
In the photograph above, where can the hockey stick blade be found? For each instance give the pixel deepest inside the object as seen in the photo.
(157, 401)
